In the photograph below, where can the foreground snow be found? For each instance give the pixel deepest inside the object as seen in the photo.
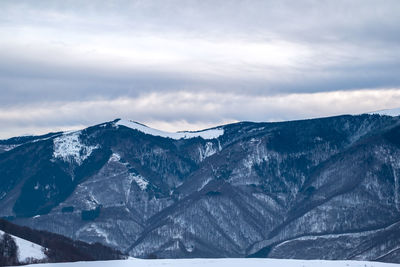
(27, 249)
(221, 263)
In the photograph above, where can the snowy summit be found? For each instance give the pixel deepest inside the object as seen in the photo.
(205, 134)
(387, 112)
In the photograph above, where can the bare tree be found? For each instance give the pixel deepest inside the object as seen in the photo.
(8, 250)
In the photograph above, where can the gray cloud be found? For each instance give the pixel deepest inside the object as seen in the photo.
(71, 53)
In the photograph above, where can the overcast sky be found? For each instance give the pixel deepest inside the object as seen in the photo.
(187, 65)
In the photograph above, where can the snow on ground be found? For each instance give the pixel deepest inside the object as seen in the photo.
(388, 112)
(69, 147)
(206, 134)
(207, 151)
(140, 181)
(220, 263)
(8, 147)
(27, 249)
(115, 157)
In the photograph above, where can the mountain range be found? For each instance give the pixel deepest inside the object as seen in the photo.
(324, 188)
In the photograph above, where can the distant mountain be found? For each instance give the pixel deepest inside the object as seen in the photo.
(387, 112)
(312, 189)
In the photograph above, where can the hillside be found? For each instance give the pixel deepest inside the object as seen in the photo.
(27, 250)
(312, 189)
(31, 244)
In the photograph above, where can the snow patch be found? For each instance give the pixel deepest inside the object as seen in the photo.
(27, 249)
(115, 157)
(206, 134)
(205, 182)
(387, 112)
(207, 150)
(69, 148)
(8, 147)
(140, 181)
(189, 248)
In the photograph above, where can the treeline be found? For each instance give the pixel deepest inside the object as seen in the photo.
(8, 250)
(60, 248)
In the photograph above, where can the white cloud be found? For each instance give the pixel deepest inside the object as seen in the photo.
(120, 54)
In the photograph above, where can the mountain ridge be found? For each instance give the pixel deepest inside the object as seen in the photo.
(256, 189)
(383, 112)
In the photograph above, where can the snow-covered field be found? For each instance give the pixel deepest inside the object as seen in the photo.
(27, 249)
(220, 263)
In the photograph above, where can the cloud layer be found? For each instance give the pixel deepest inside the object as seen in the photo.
(192, 64)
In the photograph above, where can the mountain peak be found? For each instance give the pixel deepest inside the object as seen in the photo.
(205, 134)
(394, 112)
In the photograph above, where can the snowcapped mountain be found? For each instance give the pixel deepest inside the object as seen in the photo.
(205, 134)
(387, 112)
(312, 189)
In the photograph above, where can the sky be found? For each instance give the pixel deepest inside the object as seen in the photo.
(190, 65)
